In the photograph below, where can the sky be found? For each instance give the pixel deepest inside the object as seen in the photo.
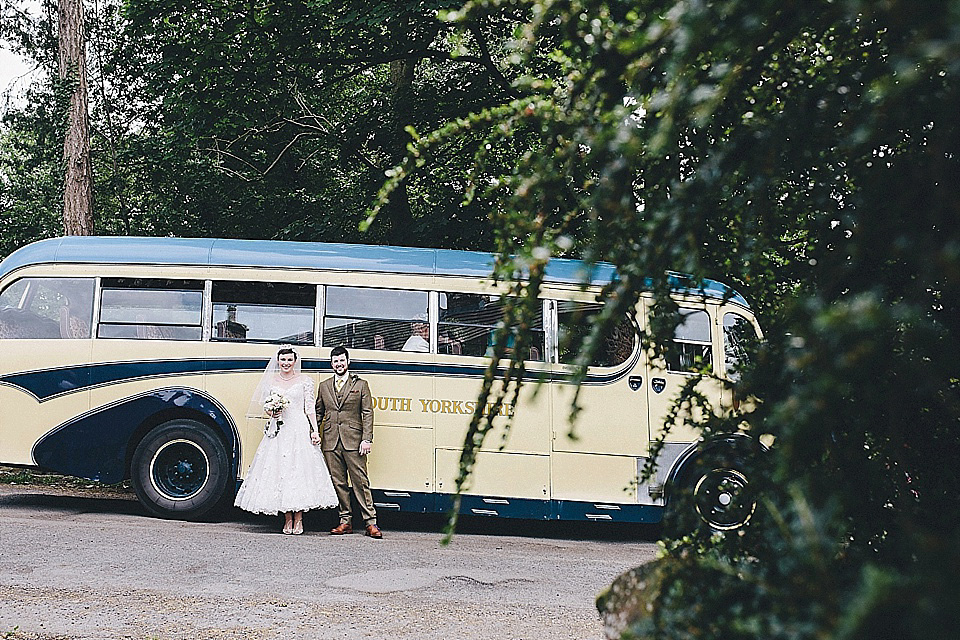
(12, 71)
(13, 68)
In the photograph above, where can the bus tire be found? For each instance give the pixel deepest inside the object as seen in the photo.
(180, 470)
(712, 493)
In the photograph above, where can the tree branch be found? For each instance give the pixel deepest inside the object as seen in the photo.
(487, 60)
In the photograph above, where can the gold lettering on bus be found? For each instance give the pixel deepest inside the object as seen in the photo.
(384, 403)
(433, 405)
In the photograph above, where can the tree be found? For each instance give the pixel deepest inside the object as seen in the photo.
(78, 180)
(287, 136)
(805, 151)
(328, 89)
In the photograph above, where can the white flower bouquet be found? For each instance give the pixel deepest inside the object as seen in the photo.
(273, 405)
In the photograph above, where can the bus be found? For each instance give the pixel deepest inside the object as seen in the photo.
(135, 358)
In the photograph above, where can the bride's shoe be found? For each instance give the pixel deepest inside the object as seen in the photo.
(298, 528)
(288, 529)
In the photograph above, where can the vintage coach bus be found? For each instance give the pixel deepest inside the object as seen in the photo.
(136, 358)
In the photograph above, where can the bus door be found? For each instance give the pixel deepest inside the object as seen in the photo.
(44, 351)
(736, 332)
(691, 350)
(596, 458)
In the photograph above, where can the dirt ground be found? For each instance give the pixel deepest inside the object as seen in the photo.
(84, 562)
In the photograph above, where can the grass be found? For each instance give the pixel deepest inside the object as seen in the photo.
(34, 477)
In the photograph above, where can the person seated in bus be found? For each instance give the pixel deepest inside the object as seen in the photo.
(491, 339)
(419, 339)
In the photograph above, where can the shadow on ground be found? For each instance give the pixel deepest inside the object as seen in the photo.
(52, 504)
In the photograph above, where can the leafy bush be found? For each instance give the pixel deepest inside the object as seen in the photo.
(807, 152)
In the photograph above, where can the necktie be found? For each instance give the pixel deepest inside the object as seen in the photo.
(338, 383)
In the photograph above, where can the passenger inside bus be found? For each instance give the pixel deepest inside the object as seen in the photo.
(419, 339)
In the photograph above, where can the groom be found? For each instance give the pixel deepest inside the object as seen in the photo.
(345, 415)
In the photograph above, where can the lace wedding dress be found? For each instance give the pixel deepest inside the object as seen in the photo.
(288, 472)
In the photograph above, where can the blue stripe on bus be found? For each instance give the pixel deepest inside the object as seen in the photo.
(49, 383)
(95, 445)
(393, 500)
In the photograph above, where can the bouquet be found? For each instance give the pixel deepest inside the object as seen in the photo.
(273, 405)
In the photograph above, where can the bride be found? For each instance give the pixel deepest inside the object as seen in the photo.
(288, 472)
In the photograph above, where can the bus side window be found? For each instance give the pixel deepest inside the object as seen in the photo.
(38, 308)
(738, 332)
(576, 320)
(468, 323)
(691, 349)
(151, 309)
(380, 319)
(280, 312)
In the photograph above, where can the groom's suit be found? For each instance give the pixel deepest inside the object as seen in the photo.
(345, 419)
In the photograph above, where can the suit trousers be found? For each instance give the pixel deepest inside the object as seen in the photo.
(344, 464)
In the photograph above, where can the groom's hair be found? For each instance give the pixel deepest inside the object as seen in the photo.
(339, 351)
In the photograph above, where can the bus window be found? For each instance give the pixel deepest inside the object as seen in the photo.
(151, 309)
(691, 348)
(280, 312)
(737, 333)
(575, 322)
(34, 308)
(365, 318)
(468, 322)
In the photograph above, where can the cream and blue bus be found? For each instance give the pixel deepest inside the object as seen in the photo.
(135, 358)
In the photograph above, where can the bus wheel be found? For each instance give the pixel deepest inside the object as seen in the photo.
(714, 492)
(180, 470)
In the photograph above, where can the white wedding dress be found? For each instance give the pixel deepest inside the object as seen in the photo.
(288, 472)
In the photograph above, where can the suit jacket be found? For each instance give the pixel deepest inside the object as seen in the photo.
(348, 418)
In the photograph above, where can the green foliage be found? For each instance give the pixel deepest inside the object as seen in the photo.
(31, 183)
(807, 153)
(265, 121)
(302, 119)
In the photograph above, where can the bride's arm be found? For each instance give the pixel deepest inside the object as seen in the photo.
(310, 405)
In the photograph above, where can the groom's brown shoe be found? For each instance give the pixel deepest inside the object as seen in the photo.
(374, 532)
(342, 528)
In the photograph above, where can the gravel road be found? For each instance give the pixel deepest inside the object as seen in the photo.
(79, 567)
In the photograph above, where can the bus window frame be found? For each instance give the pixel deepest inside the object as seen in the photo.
(711, 322)
(98, 295)
(545, 324)
(322, 315)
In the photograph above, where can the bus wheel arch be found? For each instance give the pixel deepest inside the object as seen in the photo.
(158, 418)
(710, 487)
(181, 469)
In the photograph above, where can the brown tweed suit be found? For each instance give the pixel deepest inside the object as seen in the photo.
(346, 419)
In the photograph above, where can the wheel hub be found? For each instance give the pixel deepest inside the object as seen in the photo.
(179, 470)
(722, 499)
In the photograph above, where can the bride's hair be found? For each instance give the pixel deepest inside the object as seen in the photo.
(288, 348)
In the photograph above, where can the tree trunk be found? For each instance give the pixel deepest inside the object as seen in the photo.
(399, 213)
(78, 180)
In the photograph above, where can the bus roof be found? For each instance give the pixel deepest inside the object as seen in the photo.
(311, 255)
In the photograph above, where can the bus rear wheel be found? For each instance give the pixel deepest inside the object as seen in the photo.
(721, 498)
(713, 493)
(180, 470)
